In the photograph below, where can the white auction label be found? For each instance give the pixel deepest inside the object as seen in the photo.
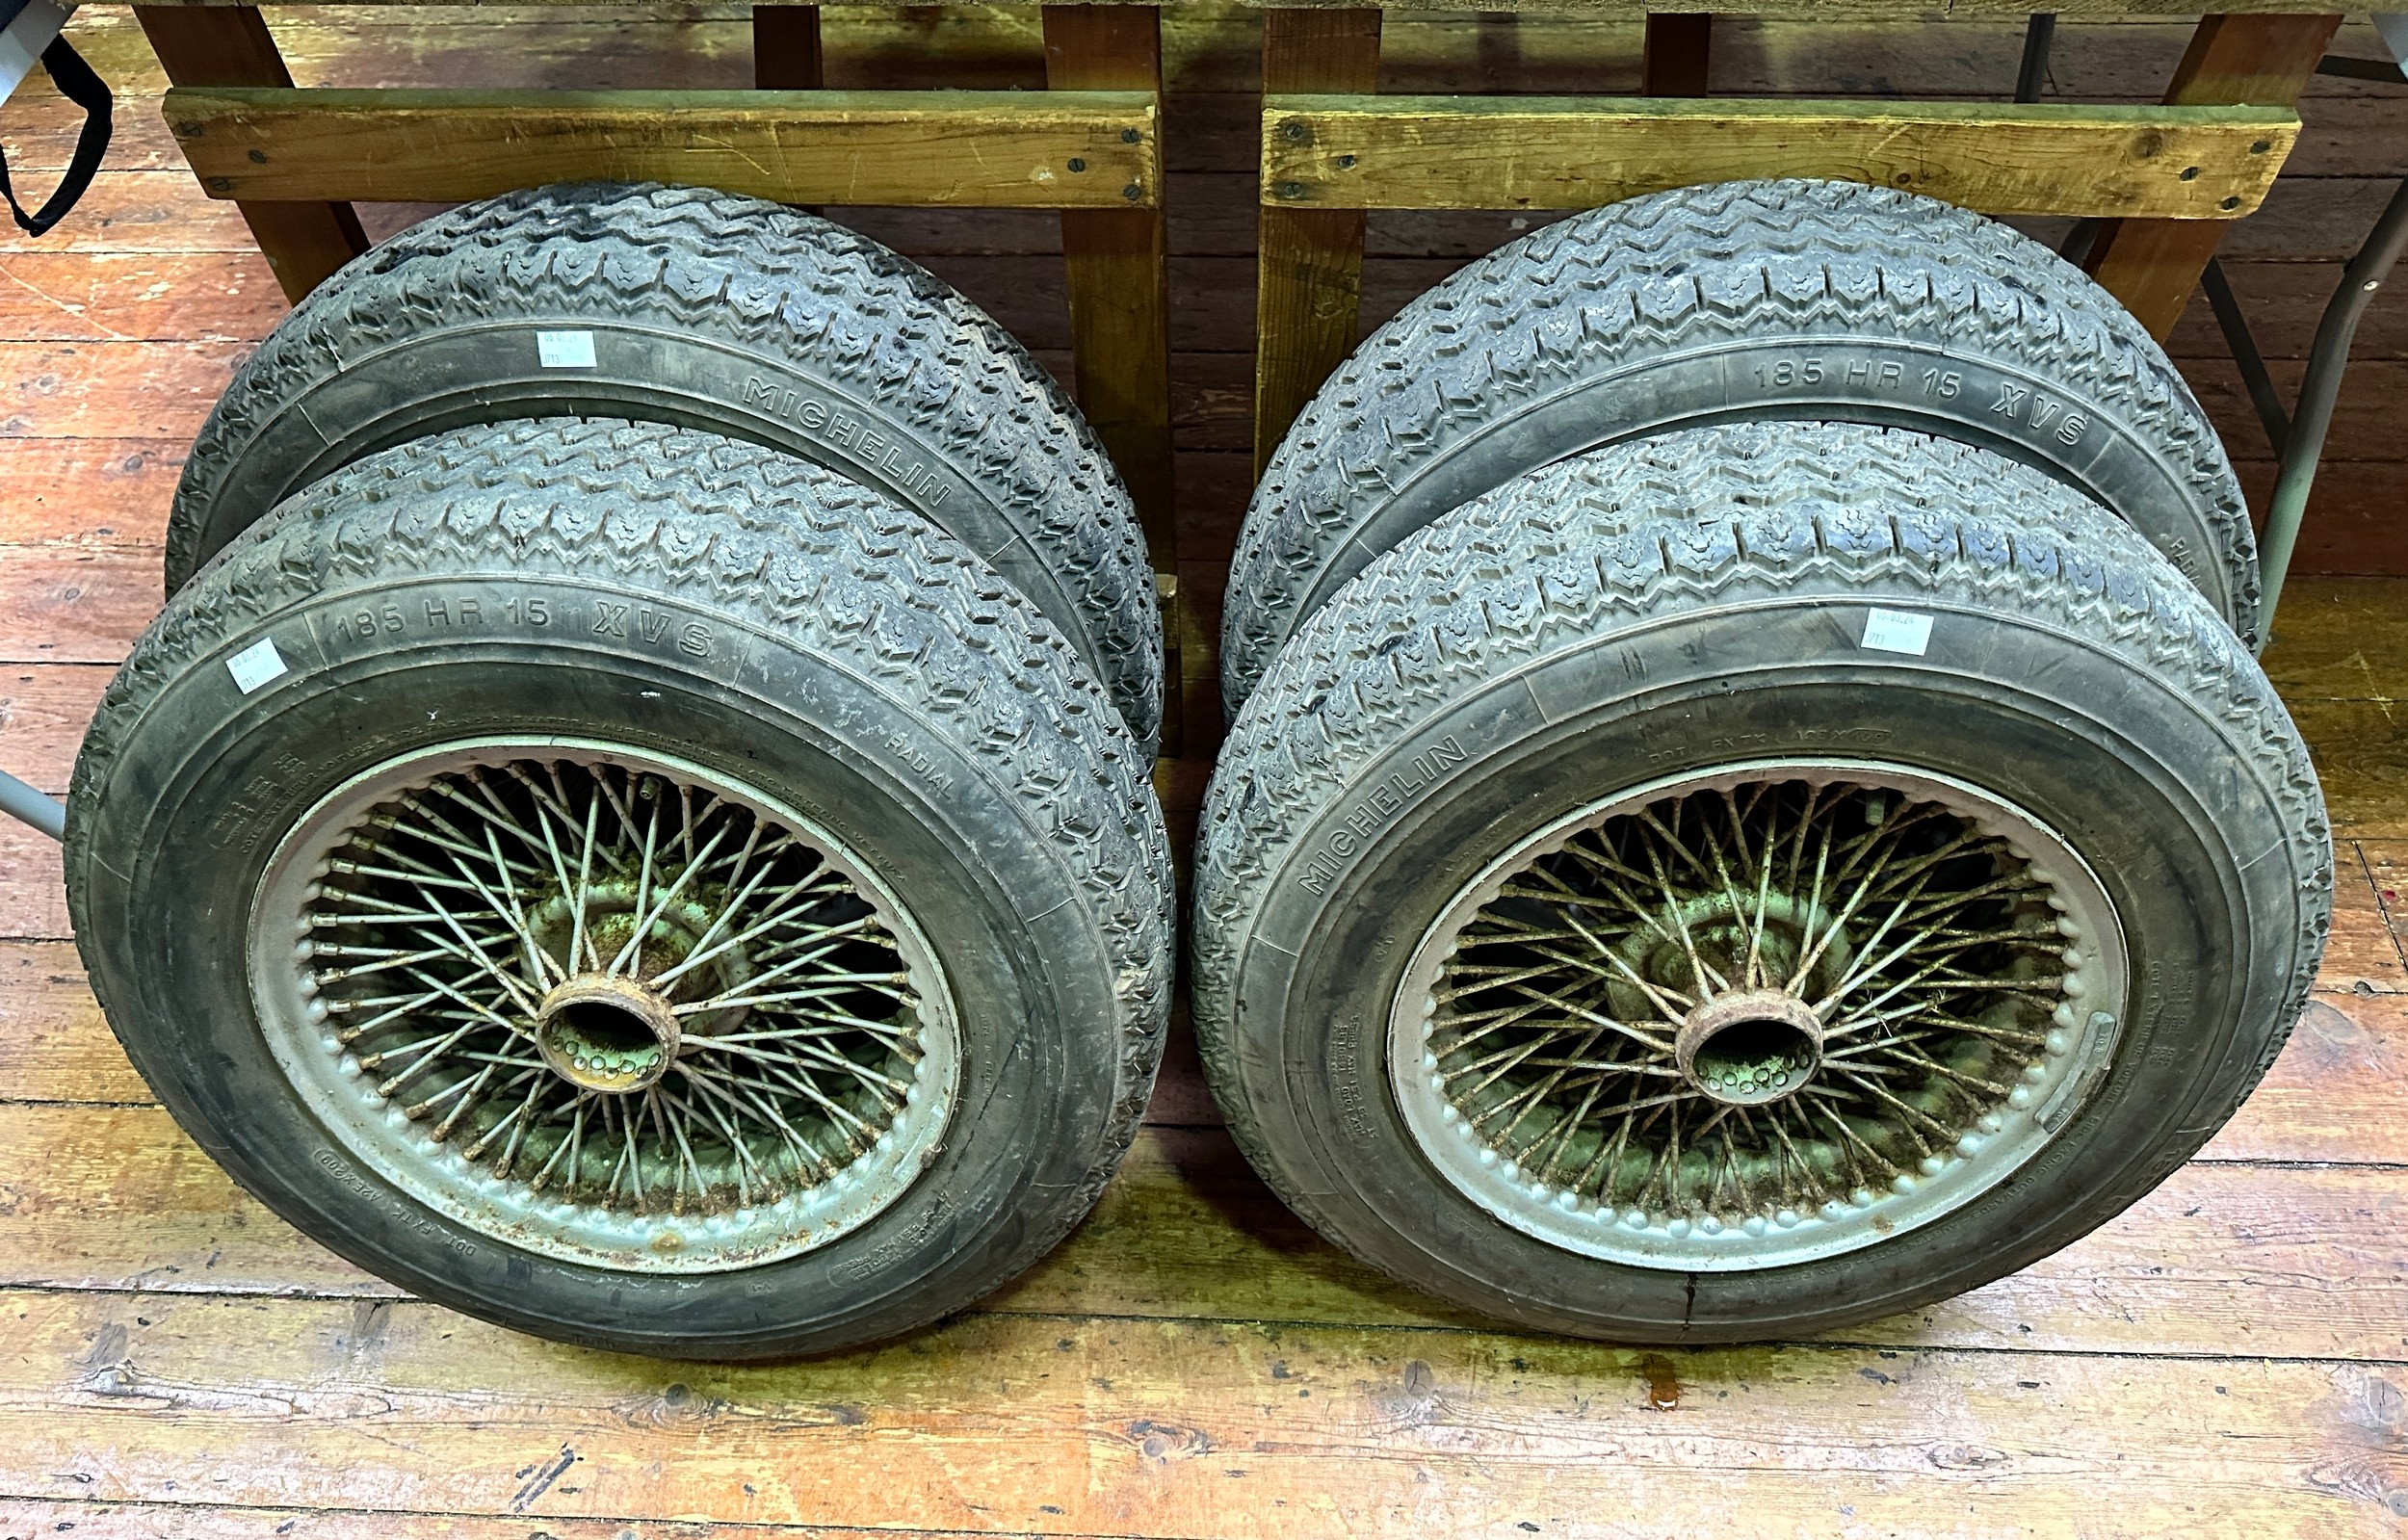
(1897, 631)
(256, 664)
(565, 350)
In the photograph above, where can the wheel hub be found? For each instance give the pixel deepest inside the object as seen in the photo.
(604, 1004)
(606, 1034)
(1751, 1048)
(1758, 1016)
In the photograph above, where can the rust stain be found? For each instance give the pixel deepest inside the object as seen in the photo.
(1663, 1383)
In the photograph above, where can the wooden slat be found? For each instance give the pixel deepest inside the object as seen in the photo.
(1114, 264)
(1056, 149)
(1892, 11)
(1309, 262)
(136, 297)
(1404, 152)
(1210, 57)
(1212, 214)
(101, 1520)
(2322, 1099)
(1201, 586)
(2280, 1261)
(303, 242)
(2342, 639)
(54, 1046)
(94, 491)
(75, 603)
(1116, 279)
(786, 54)
(2153, 265)
(33, 884)
(2361, 753)
(43, 711)
(1675, 57)
(1174, 1428)
(2332, 1096)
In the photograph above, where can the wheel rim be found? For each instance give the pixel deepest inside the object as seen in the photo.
(1758, 1017)
(603, 1004)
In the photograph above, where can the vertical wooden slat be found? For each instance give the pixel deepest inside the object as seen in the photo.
(2153, 265)
(1310, 268)
(1676, 54)
(786, 48)
(1114, 259)
(229, 45)
(1116, 273)
(786, 54)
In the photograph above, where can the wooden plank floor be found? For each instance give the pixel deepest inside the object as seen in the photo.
(2230, 1357)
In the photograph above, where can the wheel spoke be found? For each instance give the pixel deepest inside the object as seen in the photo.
(1737, 1005)
(457, 933)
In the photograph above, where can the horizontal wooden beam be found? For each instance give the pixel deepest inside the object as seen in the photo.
(960, 149)
(1607, 10)
(1571, 152)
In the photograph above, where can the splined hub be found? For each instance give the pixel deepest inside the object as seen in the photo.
(1756, 1016)
(1750, 1048)
(607, 1005)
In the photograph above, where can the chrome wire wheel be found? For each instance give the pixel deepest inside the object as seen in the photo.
(1758, 1017)
(604, 1004)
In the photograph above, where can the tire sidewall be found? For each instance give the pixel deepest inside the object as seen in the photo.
(1927, 385)
(173, 847)
(2162, 806)
(488, 371)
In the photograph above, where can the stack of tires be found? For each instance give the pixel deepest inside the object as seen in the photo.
(1750, 804)
(635, 821)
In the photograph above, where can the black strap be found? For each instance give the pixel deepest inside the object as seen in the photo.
(79, 84)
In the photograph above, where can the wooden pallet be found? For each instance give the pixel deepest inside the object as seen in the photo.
(2224, 1359)
(2163, 178)
(295, 160)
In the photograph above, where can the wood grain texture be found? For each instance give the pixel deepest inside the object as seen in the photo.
(1677, 54)
(25, 1518)
(1150, 1427)
(1209, 55)
(1575, 152)
(90, 491)
(2153, 265)
(1309, 262)
(2329, 1098)
(1115, 277)
(982, 149)
(1212, 213)
(2361, 753)
(303, 242)
(2267, 1261)
(2224, 1359)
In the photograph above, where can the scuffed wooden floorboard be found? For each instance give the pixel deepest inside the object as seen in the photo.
(176, 1363)
(1178, 1427)
(2279, 1261)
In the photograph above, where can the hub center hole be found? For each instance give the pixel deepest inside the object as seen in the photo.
(1750, 1047)
(1760, 1055)
(603, 1030)
(606, 1034)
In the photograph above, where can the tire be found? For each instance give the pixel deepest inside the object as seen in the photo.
(1730, 617)
(727, 643)
(1727, 302)
(727, 314)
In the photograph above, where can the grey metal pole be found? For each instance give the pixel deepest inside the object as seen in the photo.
(2317, 392)
(26, 805)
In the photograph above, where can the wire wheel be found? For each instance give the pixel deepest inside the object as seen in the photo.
(604, 1004)
(1758, 1017)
